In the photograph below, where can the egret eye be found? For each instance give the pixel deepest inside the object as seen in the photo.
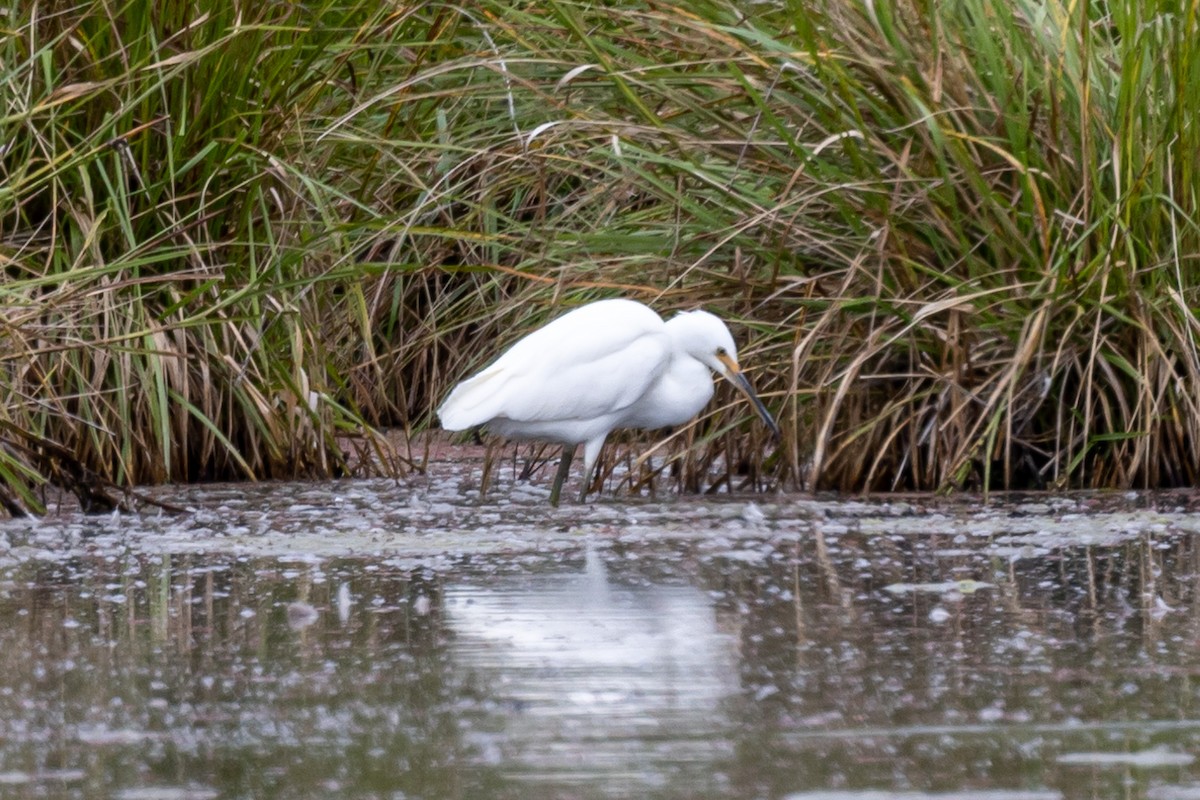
(721, 351)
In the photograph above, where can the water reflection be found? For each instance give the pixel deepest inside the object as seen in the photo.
(803, 658)
(592, 670)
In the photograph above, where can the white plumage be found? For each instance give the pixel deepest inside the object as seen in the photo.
(606, 365)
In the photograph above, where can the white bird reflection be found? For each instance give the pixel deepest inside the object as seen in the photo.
(599, 676)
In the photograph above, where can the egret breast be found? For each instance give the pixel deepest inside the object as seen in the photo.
(679, 394)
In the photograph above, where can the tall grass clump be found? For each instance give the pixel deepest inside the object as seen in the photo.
(958, 240)
(1017, 197)
(170, 247)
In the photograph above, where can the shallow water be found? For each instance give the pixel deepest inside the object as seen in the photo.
(382, 640)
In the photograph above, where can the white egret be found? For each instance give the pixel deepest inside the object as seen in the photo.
(606, 365)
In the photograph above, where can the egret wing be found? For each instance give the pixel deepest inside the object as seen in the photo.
(592, 361)
(607, 380)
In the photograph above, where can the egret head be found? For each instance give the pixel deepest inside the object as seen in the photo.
(706, 338)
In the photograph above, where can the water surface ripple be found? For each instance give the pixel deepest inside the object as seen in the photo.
(373, 639)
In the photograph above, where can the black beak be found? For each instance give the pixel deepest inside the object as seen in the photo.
(735, 376)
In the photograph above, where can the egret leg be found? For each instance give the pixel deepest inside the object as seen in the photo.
(564, 469)
(589, 477)
(485, 479)
(591, 454)
(587, 483)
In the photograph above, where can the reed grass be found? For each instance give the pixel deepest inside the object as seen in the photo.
(956, 240)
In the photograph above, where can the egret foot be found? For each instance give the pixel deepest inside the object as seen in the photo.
(564, 469)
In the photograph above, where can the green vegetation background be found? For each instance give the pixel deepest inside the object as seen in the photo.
(957, 240)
